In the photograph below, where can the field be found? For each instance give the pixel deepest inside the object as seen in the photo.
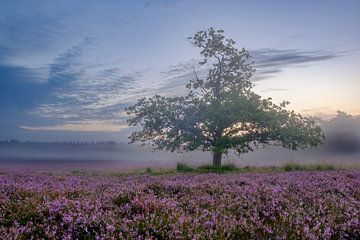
(278, 205)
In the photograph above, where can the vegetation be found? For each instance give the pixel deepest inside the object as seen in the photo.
(182, 167)
(220, 111)
(342, 133)
(206, 168)
(308, 167)
(287, 167)
(291, 205)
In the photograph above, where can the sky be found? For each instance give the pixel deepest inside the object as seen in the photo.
(69, 68)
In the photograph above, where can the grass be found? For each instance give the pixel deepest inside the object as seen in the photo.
(288, 167)
(184, 168)
(149, 171)
(159, 171)
(231, 168)
(221, 169)
(227, 168)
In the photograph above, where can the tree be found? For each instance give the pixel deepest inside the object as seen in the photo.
(220, 112)
(342, 133)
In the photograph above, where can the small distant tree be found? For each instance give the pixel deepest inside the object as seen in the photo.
(220, 112)
(342, 133)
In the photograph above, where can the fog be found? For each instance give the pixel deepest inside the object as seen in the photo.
(342, 146)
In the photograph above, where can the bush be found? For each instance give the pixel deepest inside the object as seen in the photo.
(324, 167)
(308, 167)
(158, 171)
(182, 167)
(288, 167)
(221, 169)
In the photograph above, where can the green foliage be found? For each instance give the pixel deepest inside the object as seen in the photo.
(123, 199)
(182, 167)
(79, 172)
(149, 170)
(324, 167)
(220, 111)
(231, 168)
(308, 167)
(218, 169)
(158, 171)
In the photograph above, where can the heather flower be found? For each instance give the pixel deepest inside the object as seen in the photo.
(309, 205)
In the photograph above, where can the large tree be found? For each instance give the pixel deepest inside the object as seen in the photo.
(220, 111)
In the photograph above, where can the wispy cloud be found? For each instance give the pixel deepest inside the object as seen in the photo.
(69, 63)
(20, 88)
(275, 89)
(67, 66)
(318, 109)
(278, 57)
(23, 34)
(270, 62)
(97, 92)
(85, 126)
(77, 85)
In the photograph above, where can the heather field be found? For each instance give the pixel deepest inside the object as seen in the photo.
(282, 205)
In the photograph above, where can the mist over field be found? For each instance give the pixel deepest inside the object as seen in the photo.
(342, 147)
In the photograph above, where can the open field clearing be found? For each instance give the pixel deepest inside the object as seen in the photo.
(282, 205)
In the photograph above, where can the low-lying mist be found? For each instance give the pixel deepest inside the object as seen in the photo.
(342, 146)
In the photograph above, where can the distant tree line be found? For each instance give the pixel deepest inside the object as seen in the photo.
(13, 141)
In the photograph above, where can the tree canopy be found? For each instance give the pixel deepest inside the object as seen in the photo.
(220, 112)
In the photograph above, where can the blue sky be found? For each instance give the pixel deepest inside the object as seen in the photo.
(68, 68)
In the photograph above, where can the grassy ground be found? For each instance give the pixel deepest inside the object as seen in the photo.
(227, 168)
(288, 167)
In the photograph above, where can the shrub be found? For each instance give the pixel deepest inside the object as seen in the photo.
(288, 167)
(182, 167)
(216, 169)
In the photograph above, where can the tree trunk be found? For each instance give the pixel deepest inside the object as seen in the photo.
(217, 159)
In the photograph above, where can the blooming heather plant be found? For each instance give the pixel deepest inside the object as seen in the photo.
(294, 205)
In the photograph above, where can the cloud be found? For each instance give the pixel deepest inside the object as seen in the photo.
(89, 91)
(83, 90)
(319, 109)
(275, 89)
(265, 58)
(83, 93)
(86, 126)
(265, 73)
(23, 34)
(270, 62)
(55, 46)
(267, 62)
(19, 87)
(33, 33)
